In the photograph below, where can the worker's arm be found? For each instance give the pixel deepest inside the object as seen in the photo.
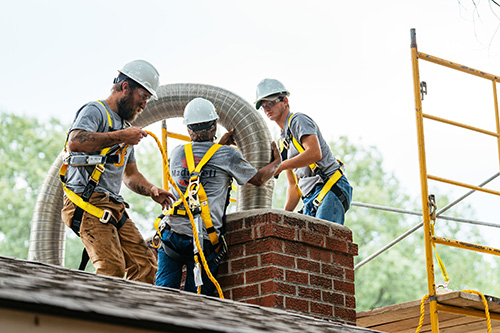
(292, 193)
(87, 142)
(266, 172)
(311, 154)
(136, 182)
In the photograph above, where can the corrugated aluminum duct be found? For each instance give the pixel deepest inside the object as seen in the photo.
(251, 134)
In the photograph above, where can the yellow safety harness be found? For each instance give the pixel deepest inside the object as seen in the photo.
(157, 236)
(330, 184)
(115, 155)
(197, 201)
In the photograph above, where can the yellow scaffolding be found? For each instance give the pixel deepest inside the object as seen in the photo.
(429, 237)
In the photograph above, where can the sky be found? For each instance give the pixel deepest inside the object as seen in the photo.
(347, 64)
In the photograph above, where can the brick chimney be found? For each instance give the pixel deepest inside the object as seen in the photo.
(290, 261)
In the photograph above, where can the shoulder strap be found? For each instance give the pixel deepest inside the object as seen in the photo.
(296, 143)
(188, 150)
(110, 123)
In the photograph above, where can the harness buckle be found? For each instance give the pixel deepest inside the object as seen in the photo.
(316, 202)
(100, 167)
(286, 144)
(94, 159)
(106, 216)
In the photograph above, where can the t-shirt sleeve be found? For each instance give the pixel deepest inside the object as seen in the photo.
(303, 125)
(89, 119)
(131, 158)
(239, 168)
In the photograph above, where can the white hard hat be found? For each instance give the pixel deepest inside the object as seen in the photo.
(199, 110)
(269, 87)
(143, 73)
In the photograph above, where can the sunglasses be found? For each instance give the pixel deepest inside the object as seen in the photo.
(270, 104)
(144, 96)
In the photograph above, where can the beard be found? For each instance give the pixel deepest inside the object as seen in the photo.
(126, 109)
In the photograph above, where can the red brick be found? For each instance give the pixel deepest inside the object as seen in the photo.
(235, 250)
(270, 301)
(296, 249)
(320, 254)
(227, 294)
(231, 280)
(247, 291)
(234, 225)
(312, 238)
(319, 228)
(295, 222)
(321, 281)
(347, 287)
(331, 270)
(336, 244)
(240, 236)
(238, 265)
(264, 245)
(333, 298)
(322, 309)
(343, 260)
(350, 302)
(347, 314)
(251, 221)
(310, 293)
(223, 268)
(277, 260)
(273, 230)
(349, 274)
(342, 233)
(296, 277)
(308, 265)
(272, 218)
(272, 287)
(262, 274)
(297, 304)
(352, 249)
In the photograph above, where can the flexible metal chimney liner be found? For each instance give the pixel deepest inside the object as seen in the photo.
(47, 239)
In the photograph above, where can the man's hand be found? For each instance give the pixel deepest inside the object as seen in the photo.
(227, 139)
(162, 196)
(132, 135)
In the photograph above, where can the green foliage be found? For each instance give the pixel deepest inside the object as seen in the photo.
(28, 148)
(399, 274)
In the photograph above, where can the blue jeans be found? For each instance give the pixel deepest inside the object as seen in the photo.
(331, 208)
(170, 271)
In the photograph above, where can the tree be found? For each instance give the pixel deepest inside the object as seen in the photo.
(399, 275)
(28, 147)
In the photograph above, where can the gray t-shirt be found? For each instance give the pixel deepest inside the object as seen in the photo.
(301, 125)
(92, 117)
(215, 176)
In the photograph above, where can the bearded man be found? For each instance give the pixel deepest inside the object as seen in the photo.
(101, 155)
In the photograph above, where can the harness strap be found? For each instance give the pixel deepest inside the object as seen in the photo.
(81, 202)
(294, 141)
(200, 192)
(330, 183)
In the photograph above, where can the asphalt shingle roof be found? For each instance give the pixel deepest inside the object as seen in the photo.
(34, 286)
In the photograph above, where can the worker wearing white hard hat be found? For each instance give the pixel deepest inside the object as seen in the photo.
(101, 156)
(216, 166)
(313, 173)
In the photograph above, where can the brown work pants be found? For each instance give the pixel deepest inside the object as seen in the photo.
(113, 252)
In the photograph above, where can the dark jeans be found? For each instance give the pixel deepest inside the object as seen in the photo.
(170, 270)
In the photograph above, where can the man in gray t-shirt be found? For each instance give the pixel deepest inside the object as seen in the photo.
(93, 207)
(307, 158)
(215, 177)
